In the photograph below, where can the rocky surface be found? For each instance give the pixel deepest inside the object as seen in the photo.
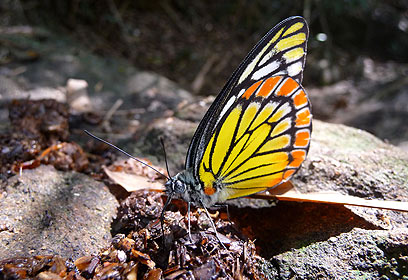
(358, 254)
(48, 212)
(377, 101)
(354, 162)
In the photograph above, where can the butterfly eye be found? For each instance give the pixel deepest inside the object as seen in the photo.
(179, 187)
(169, 186)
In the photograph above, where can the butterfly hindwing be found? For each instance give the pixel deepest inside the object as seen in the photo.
(256, 133)
(261, 141)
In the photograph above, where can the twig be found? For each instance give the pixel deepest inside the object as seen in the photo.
(174, 17)
(109, 114)
(118, 17)
(198, 82)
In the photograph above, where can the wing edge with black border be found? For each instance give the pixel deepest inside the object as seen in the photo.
(263, 54)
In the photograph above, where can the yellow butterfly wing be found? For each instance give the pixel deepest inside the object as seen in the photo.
(256, 133)
(260, 142)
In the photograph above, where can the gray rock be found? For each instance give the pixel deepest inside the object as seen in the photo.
(354, 162)
(177, 135)
(377, 101)
(60, 59)
(359, 254)
(156, 92)
(45, 211)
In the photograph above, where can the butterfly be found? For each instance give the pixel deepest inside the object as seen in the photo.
(256, 133)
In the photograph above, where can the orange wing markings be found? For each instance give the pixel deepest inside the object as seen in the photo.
(299, 99)
(298, 157)
(288, 173)
(251, 89)
(303, 118)
(268, 86)
(209, 190)
(302, 138)
(287, 87)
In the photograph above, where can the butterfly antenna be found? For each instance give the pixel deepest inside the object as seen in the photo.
(125, 153)
(165, 155)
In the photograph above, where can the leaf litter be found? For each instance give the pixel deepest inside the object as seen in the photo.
(139, 250)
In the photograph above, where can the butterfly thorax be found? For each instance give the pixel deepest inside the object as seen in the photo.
(186, 187)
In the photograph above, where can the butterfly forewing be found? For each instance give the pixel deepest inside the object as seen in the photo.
(256, 133)
(282, 51)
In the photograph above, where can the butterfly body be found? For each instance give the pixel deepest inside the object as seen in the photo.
(256, 134)
(186, 187)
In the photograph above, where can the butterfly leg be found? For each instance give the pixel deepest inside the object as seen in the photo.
(189, 223)
(169, 198)
(226, 206)
(213, 225)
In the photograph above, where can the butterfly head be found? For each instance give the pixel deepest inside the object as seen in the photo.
(175, 186)
(184, 186)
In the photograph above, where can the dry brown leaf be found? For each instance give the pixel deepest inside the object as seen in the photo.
(133, 182)
(286, 193)
(336, 198)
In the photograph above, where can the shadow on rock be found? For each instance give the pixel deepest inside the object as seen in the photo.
(294, 225)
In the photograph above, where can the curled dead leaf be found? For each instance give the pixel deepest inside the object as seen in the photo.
(133, 182)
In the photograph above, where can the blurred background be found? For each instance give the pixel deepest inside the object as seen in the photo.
(356, 68)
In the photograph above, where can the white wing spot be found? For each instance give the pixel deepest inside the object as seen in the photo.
(283, 72)
(241, 92)
(247, 71)
(254, 62)
(227, 106)
(295, 69)
(267, 57)
(266, 70)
